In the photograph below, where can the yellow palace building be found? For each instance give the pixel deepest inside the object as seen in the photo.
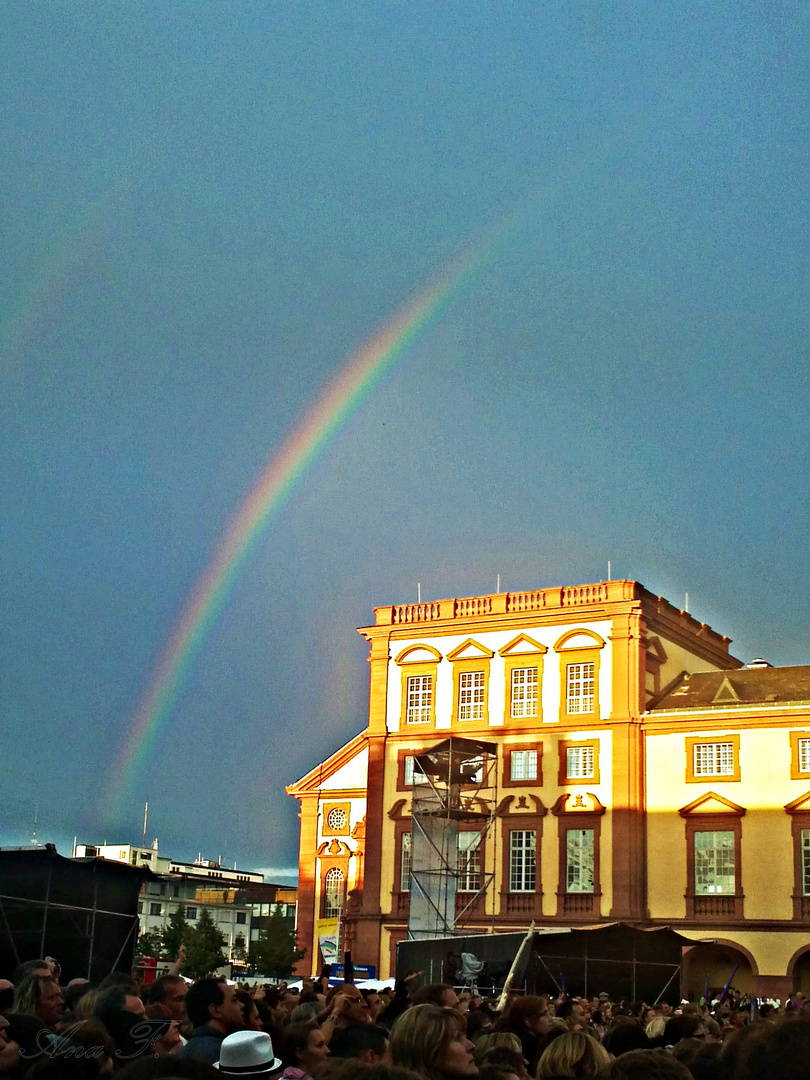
(641, 774)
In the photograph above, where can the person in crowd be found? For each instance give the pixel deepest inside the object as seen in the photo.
(39, 996)
(436, 994)
(303, 1049)
(44, 967)
(530, 1019)
(172, 1068)
(248, 1054)
(646, 1065)
(306, 1011)
(375, 1004)
(9, 1050)
(214, 1012)
(625, 1037)
(432, 1041)
(345, 1005)
(504, 1057)
(574, 1054)
(366, 1043)
(572, 1012)
(170, 991)
(492, 1040)
(685, 1025)
(249, 1010)
(6, 996)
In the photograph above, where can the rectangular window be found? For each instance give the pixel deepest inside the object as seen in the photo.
(469, 862)
(579, 763)
(524, 691)
(805, 850)
(471, 695)
(175, 890)
(804, 755)
(580, 680)
(579, 863)
(713, 759)
(140, 908)
(191, 914)
(523, 765)
(420, 699)
(155, 909)
(411, 775)
(522, 860)
(714, 863)
(405, 863)
(241, 916)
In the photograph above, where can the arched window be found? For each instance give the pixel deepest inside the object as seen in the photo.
(332, 893)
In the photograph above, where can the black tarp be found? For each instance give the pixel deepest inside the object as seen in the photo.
(621, 960)
(83, 912)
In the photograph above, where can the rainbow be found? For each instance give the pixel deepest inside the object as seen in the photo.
(286, 468)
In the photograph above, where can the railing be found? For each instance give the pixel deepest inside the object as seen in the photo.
(578, 903)
(716, 907)
(470, 607)
(402, 903)
(526, 903)
(475, 902)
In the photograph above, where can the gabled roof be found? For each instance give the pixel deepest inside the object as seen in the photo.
(736, 688)
(315, 778)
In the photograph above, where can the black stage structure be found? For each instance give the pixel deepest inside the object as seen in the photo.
(83, 912)
(623, 961)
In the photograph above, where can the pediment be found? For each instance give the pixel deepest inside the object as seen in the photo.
(725, 692)
(331, 849)
(656, 653)
(711, 803)
(418, 654)
(470, 650)
(800, 805)
(580, 802)
(521, 645)
(346, 769)
(399, 810)
(515, 805)
(581, 638)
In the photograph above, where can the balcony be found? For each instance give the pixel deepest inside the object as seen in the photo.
(579, 904)
(714, 907)
(475, 902)
(521, 903)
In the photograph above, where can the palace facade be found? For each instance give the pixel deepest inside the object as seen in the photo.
(643, 775)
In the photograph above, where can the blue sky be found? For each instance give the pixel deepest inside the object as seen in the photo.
(207, 208)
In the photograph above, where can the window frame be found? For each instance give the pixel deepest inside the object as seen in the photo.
(796, 773)
(506, 774)
(713, 822)
(563, 779)
(402, 784)
(514, 831)
(799, 811)
(466, 665)
(420, 668)
(530, 655)
(326, 810)
(326, 911)
(692, 777)
(579, 654)
(583, 906)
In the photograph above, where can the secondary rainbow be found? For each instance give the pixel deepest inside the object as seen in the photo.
(361, 373)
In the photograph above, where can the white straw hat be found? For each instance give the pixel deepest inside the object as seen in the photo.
(247, 1052)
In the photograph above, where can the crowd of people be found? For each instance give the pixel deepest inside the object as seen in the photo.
(173, 1028)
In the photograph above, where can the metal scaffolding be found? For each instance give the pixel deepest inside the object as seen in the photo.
(449, 821)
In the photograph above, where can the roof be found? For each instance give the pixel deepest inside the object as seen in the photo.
(740, 686)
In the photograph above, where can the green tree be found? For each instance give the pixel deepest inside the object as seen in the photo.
(204, 946)
(275, 952)
(149, 944)
(176, 933)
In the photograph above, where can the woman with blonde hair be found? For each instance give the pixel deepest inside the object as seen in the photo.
(574, 1054)
(432, 1041)
(490, 1040)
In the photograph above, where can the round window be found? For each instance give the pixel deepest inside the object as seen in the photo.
(336, 818)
